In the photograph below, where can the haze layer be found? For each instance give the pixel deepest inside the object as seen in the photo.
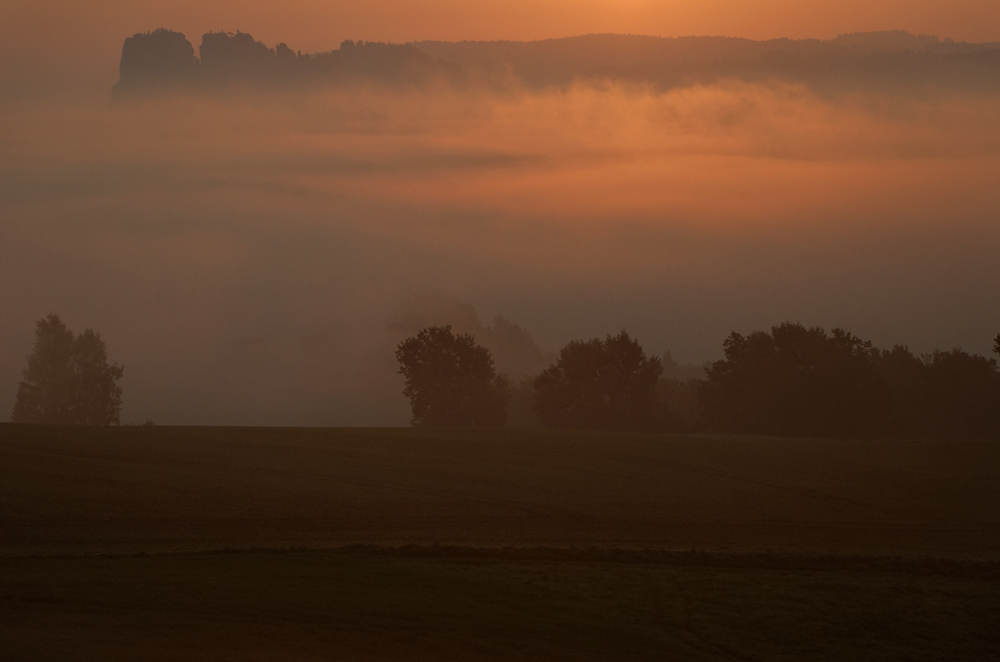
(242, 253)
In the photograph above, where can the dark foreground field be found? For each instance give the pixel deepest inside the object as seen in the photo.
(183, 489)
(552, 546)
(359, 606)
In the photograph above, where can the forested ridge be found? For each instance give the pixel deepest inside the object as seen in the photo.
(164, 60)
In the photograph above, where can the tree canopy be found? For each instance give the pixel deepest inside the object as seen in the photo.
(599, 384)
(942, 394)
(451, 381)
(797, 381)
(803, 381)
(68, 380)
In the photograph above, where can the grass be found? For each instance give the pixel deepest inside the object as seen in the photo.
(553, 546)
(350, 605)
(175, 489)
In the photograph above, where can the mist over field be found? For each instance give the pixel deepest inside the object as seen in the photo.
(255, 258)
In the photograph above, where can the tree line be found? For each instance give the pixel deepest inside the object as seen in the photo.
(68, 380)
(789, 381)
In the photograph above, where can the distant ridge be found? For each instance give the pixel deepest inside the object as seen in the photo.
(859, 60)
(892, 61)
(164, 60)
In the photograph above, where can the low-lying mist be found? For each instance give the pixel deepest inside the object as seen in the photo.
(254, 259)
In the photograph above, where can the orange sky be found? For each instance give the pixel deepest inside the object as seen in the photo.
(316, 23)
(183, 227)
(79, 42)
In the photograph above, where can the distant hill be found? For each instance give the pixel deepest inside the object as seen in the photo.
(164, 60)
(891, 61)
(861, 60)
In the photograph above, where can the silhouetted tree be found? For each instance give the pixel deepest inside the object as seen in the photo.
(996, 344)
(944, 394)
(514, 351)
(962, 395)
(906, 376)
(68, 380)
(451, 381)
(599, 384)
(797, 381)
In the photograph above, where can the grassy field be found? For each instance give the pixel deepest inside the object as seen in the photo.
(552, 546)
(339, 605)
(179, 489)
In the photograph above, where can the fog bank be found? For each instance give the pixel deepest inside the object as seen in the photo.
(250, 259)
